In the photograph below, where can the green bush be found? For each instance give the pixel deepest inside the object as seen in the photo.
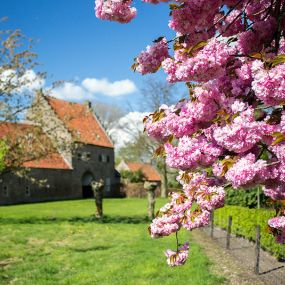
(174, 184)
(244, 224)
(133, 176)
(244, 198)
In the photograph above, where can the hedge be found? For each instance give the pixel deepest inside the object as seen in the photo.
(244, 224)
(244, 197)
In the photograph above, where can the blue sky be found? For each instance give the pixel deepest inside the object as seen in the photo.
(73, 44)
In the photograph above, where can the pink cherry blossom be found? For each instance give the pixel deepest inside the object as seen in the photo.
(230, 130)
(179, 257)
(150, 60)
(115, 10)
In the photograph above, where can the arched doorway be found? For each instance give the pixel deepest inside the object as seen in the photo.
(86, 180)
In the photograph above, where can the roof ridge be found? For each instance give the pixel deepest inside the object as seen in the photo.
(65, 101)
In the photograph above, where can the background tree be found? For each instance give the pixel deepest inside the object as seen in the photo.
(156, 93)
(18, 79)
(108, 115)
(24, 141)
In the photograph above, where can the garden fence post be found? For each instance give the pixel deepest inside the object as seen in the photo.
(212, 224)
(257, 250)
(229, 230)
(258, 197)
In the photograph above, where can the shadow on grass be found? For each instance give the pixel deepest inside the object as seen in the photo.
(273, 269)
(91, 219)
(93, 248)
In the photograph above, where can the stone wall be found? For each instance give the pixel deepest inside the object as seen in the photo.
(57, 186)
(63, 184)
(41, 113)
(136, 190)
(98, 161)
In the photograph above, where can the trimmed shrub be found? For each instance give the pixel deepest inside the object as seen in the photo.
(244, 197)
(244, 224)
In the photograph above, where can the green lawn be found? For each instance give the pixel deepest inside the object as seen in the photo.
(60, 243)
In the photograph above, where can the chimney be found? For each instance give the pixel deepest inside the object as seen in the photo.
(89, 104)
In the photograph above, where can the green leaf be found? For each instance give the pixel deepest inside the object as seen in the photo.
(199, 45)
(175, 6)
(278, 60)
(134, 66)
(256, 55)
(160, 151)
(278, 139)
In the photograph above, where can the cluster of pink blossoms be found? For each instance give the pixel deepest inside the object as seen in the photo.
(179, 257)
(206, 65)
(192, 152)
(150, 60)
(243, 133)
(278, 223)
(247, 171)
(231, 129)
(115, 10)
(187, 117)
(189, 209)
(269, 85)
(194, 15)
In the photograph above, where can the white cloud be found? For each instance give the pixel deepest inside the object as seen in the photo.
(87, 89)
(112, 89)
(30, 81)
(127, 128)
(71, 92)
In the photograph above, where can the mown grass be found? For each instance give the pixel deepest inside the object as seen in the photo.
(61, 243)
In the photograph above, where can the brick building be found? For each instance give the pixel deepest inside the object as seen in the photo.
(82, 152)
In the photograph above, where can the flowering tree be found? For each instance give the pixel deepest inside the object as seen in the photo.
(231, 130)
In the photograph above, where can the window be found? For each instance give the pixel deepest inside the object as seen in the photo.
(86, 156)
(104, 158)
(108, 184)
(27, 191)
(5, 191)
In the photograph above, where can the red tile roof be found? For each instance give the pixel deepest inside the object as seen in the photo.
(52, 161)
(149, 172)
(81, 122)
(31, 146)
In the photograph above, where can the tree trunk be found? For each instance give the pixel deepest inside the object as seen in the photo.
(151, 203)
(99, 203)
(98, 187)
(164, 186)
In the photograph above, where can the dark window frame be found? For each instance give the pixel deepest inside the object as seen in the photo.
(5, 191)
(27, 191)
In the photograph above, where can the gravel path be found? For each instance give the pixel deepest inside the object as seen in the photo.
(237, 263)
